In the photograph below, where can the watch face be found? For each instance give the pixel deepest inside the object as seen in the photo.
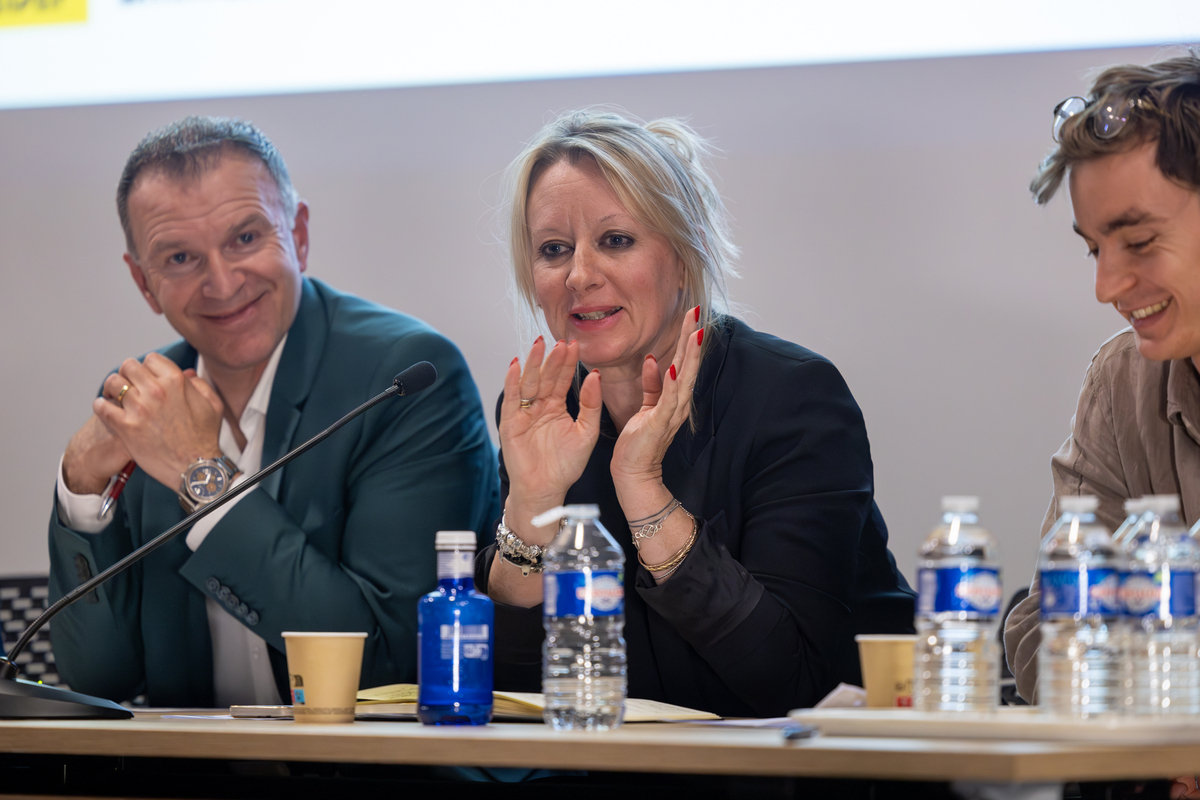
(205, 482)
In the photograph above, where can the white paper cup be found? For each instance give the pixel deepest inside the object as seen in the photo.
(323, 673)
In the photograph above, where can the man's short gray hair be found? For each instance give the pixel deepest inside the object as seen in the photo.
(190, 147)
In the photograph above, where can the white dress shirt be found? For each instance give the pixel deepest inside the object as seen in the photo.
(241, 667)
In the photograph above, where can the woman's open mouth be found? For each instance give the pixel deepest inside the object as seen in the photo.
(591, 316)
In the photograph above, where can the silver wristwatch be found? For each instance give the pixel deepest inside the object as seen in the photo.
(205, 480)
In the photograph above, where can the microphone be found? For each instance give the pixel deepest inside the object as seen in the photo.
(24, 700)
(419, 377)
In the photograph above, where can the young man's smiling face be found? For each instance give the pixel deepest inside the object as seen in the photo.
(1143, 229)
(217, 256)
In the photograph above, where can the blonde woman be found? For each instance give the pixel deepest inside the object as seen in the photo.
(736, 461)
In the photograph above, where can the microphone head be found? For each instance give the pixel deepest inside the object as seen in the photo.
(418, 377)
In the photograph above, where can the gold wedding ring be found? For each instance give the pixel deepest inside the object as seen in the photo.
(527, 402)
(121, 396)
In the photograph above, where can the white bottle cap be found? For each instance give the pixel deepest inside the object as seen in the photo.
(960, 504)
(558, 512)
(1161, 503)
(454, 540)
(1135, 505)
(1078, 503)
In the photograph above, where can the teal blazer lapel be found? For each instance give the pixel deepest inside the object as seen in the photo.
(293, 379)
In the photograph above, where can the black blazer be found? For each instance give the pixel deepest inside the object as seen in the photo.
(791, 560)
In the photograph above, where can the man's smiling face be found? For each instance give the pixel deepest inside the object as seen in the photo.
(1144, 232)
(217, 256)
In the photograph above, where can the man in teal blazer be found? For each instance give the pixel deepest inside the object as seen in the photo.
(339, 540)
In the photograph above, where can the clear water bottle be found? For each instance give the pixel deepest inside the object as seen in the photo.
(455, 625)
(956, 663)
(583, 658)
(1079, 578)
(1159, 598)
(1134, 508)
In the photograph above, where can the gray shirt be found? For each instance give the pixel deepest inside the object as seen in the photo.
(1135, 432)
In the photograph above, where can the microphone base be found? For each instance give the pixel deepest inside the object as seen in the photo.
(25, 700)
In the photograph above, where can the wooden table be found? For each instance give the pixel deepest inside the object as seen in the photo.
(658, 748)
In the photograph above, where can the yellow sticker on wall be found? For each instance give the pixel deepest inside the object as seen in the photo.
(41, 12)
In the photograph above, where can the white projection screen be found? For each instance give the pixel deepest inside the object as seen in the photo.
(68, 52)
(874, 156)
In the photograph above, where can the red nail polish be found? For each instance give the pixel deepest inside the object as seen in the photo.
(595, 372)
(672, 371)
(650, 357)
(515, 360)
(538, 339)
(573, 341)
(700, 337)
(697, 313)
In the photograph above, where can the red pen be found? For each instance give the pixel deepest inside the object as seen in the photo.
(115, 487)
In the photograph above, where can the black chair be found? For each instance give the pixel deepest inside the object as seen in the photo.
(22, 600)
(1008, 683)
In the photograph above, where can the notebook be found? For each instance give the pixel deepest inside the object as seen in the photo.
(401, 699)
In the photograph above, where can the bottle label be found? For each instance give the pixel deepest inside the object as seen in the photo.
(970, 589)
(470, 641)
(1063, 592)
(581, 594)
(1151, 594)
(455, 564)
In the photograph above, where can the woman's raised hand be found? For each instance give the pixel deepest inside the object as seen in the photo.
(666, 404)
(545, 450)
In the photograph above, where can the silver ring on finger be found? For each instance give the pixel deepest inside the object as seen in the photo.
(121, 394)
(527, 402)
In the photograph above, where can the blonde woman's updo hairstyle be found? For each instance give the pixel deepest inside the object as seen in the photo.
(1165, 108)
(657, 171)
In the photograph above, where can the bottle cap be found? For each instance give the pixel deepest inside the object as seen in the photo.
(454, 540)
(1135, 505)
(1078, 503)
(572, 512)
(1161, 503)
(960, 504)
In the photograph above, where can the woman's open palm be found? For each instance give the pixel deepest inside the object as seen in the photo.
(545, 450)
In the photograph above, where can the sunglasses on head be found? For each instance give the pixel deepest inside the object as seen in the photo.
(1107, 120)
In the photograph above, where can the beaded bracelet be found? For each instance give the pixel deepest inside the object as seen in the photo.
(526, 557)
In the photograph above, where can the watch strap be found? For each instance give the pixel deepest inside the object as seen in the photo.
(223, 462)
(230, 467)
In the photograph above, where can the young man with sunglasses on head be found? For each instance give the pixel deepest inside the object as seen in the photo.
(1130, 153)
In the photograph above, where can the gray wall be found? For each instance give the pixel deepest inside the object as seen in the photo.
(882, 210)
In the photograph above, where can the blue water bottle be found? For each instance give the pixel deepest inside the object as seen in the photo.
(455, 626)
